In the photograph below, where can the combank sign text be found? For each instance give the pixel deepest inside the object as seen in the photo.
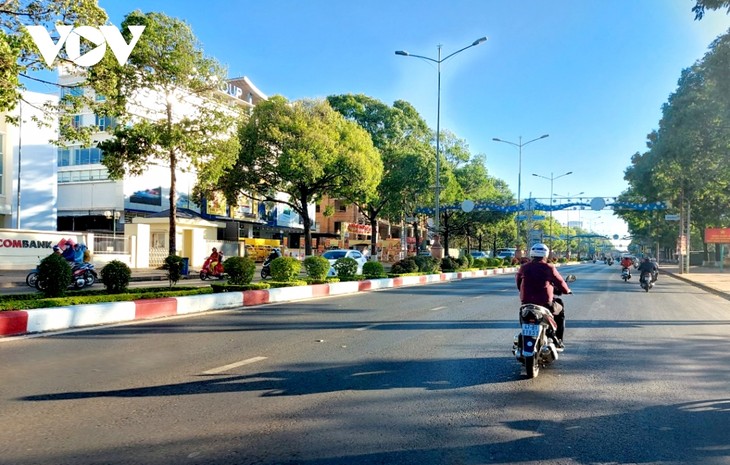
(71, 38)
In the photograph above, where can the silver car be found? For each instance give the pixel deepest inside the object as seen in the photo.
(333, 255)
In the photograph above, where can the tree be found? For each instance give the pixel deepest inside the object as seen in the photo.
(401, 137)
(185, 126)
(702, 5)
(306, 150)
(688, 161)
(19, 56)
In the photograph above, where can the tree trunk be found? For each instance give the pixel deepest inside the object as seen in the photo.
(172, 249)
(307, 226)
(373, 237)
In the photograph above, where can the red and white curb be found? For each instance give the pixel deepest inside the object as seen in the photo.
(20, 322)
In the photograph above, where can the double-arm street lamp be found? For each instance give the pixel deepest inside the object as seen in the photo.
(519, 145)
(438, 61)
(552, 180)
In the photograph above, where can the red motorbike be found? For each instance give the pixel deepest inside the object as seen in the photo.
(212, 269)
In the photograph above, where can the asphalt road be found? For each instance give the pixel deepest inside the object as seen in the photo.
(419, 375)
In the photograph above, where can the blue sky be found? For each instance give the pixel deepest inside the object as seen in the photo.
(591, 73)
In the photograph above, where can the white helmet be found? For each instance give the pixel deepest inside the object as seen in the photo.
(539, 251)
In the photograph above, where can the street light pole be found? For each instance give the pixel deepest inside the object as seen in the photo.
(519, 171)
(436, 249)
(551, 179)
(567, 219)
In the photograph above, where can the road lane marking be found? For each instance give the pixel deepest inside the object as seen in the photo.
(231, 366)
(438, 308)
(365, 328)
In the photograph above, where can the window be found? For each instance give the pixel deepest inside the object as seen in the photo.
(316, 208)
(82, 175)
(77, 121)
(104, 122)
(338, 226)
(158, 239)
(79, 156)
(76, 91)
(340, 206)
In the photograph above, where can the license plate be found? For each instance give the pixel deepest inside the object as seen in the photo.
(530, 330)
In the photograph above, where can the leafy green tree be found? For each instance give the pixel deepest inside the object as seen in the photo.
(304, 149)
(688, 158)
(401, 137)
(702, 5)
(19, 56)
(187, 126)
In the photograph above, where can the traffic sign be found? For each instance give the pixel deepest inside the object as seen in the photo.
(671, 217)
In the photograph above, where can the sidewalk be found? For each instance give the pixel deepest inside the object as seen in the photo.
(710, 279)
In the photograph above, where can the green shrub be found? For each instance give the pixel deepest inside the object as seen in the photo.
(449, 264)
(463, 262)
(173, 265)
(427, 264)
(481, 263)
(54, 275)
(240, 270)
(116, 275)
(373, 270)
(317, 267)
(469, 260)
(228, 287)
(285, 269)
(407, 265)
(345, 266)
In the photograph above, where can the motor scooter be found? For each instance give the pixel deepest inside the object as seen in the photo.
(266, 268)
(535, 346)
(214, 271)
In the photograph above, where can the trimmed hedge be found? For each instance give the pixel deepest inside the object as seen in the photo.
(285, 269)
(116, 275)
(373, 270)
(22, 302)
(227, 287)
(240, 270)
(345, 267)
(54, 275)
(316, 267)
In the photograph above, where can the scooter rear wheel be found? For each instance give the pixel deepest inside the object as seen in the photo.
(203, 275)
(532, 367)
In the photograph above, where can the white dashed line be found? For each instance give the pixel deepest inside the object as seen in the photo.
(231, 366)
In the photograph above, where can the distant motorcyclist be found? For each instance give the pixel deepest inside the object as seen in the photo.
(215, 262)
(537, 281)
(647, 266)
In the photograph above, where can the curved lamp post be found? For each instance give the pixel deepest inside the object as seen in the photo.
(519, 145)
(552, 180)
(437, 253)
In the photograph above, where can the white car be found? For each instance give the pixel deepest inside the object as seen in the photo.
(333, 255)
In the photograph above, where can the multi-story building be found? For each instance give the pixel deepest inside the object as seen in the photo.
(28, 165)
(347, 228)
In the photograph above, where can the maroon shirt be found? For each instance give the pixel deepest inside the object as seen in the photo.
(536, 279)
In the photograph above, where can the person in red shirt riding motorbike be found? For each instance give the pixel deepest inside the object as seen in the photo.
(538, 281)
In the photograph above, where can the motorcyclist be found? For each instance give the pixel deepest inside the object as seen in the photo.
(626, 263)
(215, 262)
(537, 280)
(647, 266)
(68, 253)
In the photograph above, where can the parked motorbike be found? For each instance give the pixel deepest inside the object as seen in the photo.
(625, 274)
(215, 272)
(646, 281)
(266, 268)
(535, 345)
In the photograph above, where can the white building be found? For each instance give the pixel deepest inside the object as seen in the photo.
(28, 192)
